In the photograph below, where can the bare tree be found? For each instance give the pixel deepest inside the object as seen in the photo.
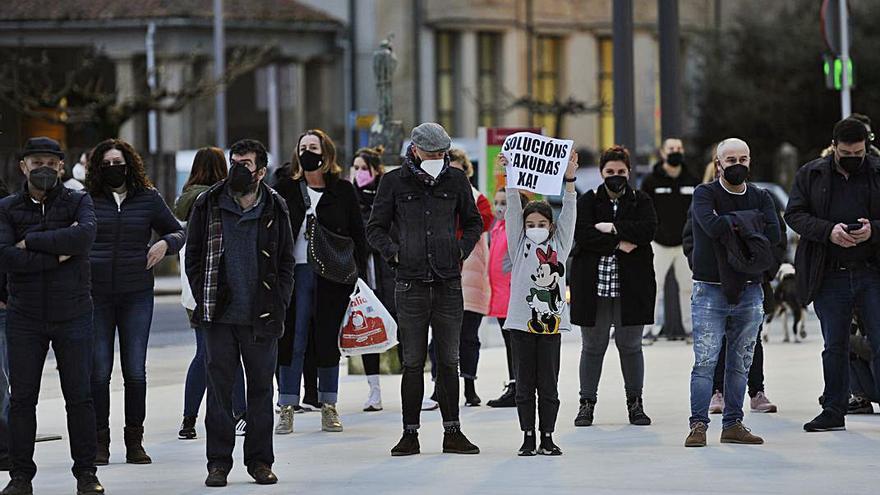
(84, 96)
(558, 108)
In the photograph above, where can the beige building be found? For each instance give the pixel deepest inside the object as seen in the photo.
(463, 62)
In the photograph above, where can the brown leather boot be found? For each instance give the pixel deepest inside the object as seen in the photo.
(738, 433)
(102, 454)
(134, 449)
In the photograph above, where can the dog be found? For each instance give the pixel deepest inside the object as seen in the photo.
(785, 301)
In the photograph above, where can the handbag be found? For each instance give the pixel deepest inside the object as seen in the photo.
(331, 255)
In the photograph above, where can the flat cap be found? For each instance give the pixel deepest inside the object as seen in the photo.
(42, 146)
(431, 137)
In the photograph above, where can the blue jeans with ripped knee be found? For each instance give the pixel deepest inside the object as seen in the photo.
(714, 318)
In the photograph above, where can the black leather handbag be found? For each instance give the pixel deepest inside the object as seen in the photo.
(331, 255)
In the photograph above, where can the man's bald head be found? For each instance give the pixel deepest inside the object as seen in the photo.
(672, 145)
(732, 147)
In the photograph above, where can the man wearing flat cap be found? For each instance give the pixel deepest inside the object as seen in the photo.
(46, 232)
(426, 201)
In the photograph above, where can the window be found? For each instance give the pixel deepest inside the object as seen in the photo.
(606, 93)
(488, 78)
(545, 81)
(446, 84)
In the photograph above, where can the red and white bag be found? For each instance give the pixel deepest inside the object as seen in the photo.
(367, 327)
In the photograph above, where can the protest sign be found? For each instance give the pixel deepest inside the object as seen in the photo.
(536, 163)
(489, 176)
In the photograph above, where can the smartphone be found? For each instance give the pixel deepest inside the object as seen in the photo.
(853, 226)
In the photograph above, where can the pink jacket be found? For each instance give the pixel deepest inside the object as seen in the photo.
(499, 281)
(474, 278)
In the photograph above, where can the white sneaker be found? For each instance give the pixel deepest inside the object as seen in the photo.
(430, 405)
(241, 427)
(285, 421)
(374, 400)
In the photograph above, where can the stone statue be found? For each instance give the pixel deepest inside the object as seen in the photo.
(385, 131)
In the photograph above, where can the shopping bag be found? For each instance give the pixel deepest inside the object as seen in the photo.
(367, 327)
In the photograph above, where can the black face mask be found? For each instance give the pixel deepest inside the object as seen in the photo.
(616, 183)
(115, 176)
(675, 159)
(241, 180)
(310, 161)
(736, 174)
(43, 178)
(850, 164)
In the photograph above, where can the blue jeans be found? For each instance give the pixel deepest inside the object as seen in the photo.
(28, 343)
(132, 314)
(290, 376)
(196, 383)
(714, 319)
(4, 390)
(841, 293)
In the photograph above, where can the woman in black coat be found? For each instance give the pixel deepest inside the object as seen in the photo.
(318, 304)
(128, 210)
(612, 281)
(366, 174)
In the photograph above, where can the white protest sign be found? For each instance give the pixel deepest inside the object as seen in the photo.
(536, 163)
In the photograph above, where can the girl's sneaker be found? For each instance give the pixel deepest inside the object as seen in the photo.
(528, 448)
(547, 446)
(716, 405)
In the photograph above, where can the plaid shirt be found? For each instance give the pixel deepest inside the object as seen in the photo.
(609, 282)
(212, 260)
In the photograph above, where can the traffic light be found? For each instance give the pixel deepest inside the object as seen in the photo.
(833, 69)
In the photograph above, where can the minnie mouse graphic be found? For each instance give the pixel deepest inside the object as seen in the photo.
(546, 300)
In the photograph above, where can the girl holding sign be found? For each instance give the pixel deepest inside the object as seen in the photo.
(538, 311)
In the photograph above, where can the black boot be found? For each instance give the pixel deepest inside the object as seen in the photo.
(187, 428)
(547, 446)
(102, 454)
(507, 399)
(529, 446)
(88, 484)
(585, 413)
(454, 442)
(134, 449)
(408, 444)
(637, 414)
(471, 399)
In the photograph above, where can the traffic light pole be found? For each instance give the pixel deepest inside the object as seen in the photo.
(624, 74)
(845, 98)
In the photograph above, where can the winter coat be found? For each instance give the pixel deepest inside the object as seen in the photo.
(379, 272)
(671, 198)
(808, 208)
(499, 277)
(635, 222)
(119, 254)
(275, 266)
(41, 287)
(338, 211)
(475, 287)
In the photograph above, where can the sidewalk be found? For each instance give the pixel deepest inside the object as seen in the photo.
(611, 457)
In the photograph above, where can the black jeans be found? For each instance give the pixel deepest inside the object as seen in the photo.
(72, 341)
(224, 346)
(508, 348)
(437, 304)
(468, 347)
(537, 369)
(756, 371)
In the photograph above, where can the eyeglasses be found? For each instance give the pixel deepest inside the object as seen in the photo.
(113, 164)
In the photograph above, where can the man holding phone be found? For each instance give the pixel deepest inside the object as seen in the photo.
(838, 259)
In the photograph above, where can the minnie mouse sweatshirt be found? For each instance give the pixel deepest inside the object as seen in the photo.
(537, 285)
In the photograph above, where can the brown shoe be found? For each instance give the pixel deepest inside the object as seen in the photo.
(697, 436)
(738, 433)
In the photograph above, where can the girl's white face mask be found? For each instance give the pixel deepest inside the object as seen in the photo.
(432, 167)
(538, 235)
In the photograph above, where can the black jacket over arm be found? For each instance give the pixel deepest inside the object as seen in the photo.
(636, 223)
(275, 262)
(426, 219)
(41, 287)
(808, 212)
(338, 211)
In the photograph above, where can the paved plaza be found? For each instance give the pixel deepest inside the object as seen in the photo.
(611, 457)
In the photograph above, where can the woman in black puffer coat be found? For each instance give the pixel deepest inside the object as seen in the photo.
(128, 210)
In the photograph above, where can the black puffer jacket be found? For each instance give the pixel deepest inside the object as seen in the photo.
(672, 200)
(40, 286)
(119, 255)
(426, 218)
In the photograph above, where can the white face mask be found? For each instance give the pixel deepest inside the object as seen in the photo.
(538, 235)
(432, 167)
(79, 172)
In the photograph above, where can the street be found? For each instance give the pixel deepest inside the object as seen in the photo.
(610, 457)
